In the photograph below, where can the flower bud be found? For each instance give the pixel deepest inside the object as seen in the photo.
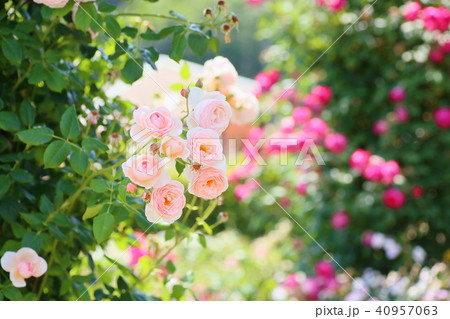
(226, 28)
(222, 217)
(154, 147)
(208, 13)
(221, 3)
(185, 93)
(131, 188)
(199, 84)
(234, 19)
(146, 196)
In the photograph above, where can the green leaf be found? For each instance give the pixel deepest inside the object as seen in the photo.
(198, 43)
(36, 136)
(79, 161)
(171, 267)
(177, 291)
(150, 35)
(213, 45)
(176, 87)
(21, 175)
(202, 240)
(99, 186)
(83, 16)
(106, 7)
(130, 31)
(33, 240)
(61, 12)
(45, 205)
(55, 80)
(37, 74)
(170, 233)
(92, 211)
(55, 231)
(12, 293)
(132, 70)
(9, 121)
(90, 144)
(12, 50)
(184, 72)
(5, 183)
(112, 26)
(69, 123)
(27, 112)
(179, 167)
(56, 153)
(179, 43)
(103, 227)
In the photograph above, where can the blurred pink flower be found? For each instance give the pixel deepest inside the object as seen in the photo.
(254, 2)
(311, 288)
(323, 93)
(380, 127)
(287, 125)
(242, 191)
(417, 191)
(267, 79)
(324, 269)
(336, 143)
(366, 238)
(401, 114)
(301, 188)
(313, 102)
(442, 117)
(301, 114)
(437, 55)
(412, 10)
(397, 94)
(359, 160)
(317, 126)
(340, 219)
(394, 198)
(436, 18)
(291, 282)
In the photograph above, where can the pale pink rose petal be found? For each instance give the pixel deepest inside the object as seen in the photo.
(55, 4)
(9, 261)
(27, 254)
(16, 279)
(39, 267)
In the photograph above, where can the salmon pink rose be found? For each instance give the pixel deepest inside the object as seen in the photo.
(207, 182)
(145, 171)
(167, 203)
(204, 146)
(23, 264)
(219, 74)
(156, 123)
(210, 110)
(53, 3)
(175, 147)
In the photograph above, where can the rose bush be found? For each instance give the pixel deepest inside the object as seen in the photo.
(68, 181)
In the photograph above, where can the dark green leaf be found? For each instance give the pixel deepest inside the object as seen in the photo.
(177, 291)
(112, 26)
(106, 7)
(55, 80)
(90, 144)
(21, 175)
(12, 50)
(99, 186)
(27, 112)
(130, 31)
(5, 183)
(9, 121)
(37, 74)
(45, 205)
(179, 167)
(171, 267)
(12, 293)
(179, 43)
(132, 70)
(56, 153)
(69, 123)
(79, 161)
(213, 45)
(170, 233)
(198, 43)
(103, 227)
(36, 136)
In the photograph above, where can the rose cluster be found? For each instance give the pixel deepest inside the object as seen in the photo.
(220, 75)
(200, 152)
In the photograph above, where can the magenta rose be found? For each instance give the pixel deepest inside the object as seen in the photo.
(412, 10)
(394, 198)
(340, 220)
(336, 143)
(442, 117)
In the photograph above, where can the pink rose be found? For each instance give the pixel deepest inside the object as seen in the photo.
(156, 123)
(397, 94)
(207, 182)
(373, 171)
(291, 282)
(389, 170)
(359, 160)
(175, 147)
(254, 2)
(324, 269)
(204, 146)
(313, 102)
(417, 191)
(267, 79)
(244, 104)
(394, 198)
(287, 125)
(242, 191)
(23, 264)
(210, 110)
(219, 74)
(301, 114)
(401, 114)
(436, 55)
(301, 188)
(442, 117)
(317, 126)
(311, 288)
(366, 238)
(336, 5)
(131, 188)
(323, 93)
(340, 219)
(55, 4)
(380, 127)
(336, 143)
(145, 171)
(436, 18)
(412, 10)
(167, 203)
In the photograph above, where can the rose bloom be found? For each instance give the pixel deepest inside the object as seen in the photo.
(287, 125)
(301, 114)
(267, 79)
(336, 5)
(436, 18)
(412, 10)
(359, 160)
(401, 114)
(313, 102)
(442, 117)
(175, 147)
(167, 203)
(219, 74)
(145, 171)
(436, 55)
(311, 288)
(207, 182)
(242, 191)
(336, 143)
(317, 126)
(244, 104)
(389, 170)
(204, 146)
(380, 127)
(210, 110)
(324, 269)
(301, 188)
(323, 93)
(417, 191)
(156, 123)
(397, 94)
(340, 220)
(23, 264)
(373, 171)
(53, 3)
(394, 198)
